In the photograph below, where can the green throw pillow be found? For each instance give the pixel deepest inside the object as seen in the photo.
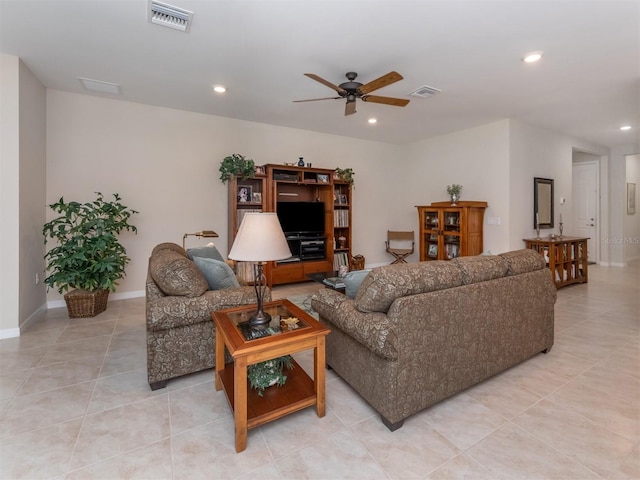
(218, 274)
(352, 281)
(209, 251)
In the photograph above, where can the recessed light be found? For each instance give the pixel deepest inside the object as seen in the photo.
(625, 127)
(372, 120)
(532, 57)
(219, 88)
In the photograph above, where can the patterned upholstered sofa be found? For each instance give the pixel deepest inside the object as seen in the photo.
(418, 333)
(180, 332)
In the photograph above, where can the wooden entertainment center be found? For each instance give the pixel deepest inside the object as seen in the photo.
(312, 252)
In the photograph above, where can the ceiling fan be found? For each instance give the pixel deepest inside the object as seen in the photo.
(352, 90)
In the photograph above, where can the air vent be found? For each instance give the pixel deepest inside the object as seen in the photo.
(424, 91)
(100, 86)
(169, 16)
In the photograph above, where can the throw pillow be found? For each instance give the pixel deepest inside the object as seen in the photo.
(352, 281)
(205, 252)
(218, 274)
(175, 274)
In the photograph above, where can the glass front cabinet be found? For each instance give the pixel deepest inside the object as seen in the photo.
(448, 231)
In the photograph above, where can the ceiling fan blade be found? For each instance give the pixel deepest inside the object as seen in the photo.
(350, 108)
(316, 99)
(396, 102)
(315, 77)
(383, 81)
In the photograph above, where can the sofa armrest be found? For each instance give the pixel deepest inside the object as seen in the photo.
(373, 330)
(174, 311)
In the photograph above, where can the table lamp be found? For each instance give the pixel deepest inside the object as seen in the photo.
(202, 234)
(259, 239)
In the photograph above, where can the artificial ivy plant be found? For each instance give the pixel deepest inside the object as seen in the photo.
(270, 372)
(346, 175)
(87, 255)
(238, 165)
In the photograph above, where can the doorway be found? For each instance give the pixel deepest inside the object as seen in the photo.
(585, 197)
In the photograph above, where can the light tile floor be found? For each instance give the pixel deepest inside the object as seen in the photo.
(75, 404)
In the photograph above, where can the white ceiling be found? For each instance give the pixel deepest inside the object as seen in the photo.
(587, 84)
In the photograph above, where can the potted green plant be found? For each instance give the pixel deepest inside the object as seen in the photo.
(268, 373)
(238, 165)
(87, 257)
(346, 175)
(454, 192)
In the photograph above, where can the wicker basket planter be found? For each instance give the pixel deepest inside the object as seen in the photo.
(85, 304)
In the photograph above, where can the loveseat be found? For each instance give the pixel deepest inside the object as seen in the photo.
(418, 333)
(179, 302)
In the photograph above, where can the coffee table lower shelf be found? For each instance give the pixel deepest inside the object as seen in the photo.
(297, 393)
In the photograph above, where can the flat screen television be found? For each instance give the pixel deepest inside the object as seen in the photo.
(301, 218)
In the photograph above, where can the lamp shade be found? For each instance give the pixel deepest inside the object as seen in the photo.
(260, 239)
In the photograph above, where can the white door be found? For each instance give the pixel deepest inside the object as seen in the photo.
(585, 196)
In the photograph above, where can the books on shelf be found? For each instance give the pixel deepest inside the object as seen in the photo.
(335, 282)
(242, 211)
(340, 258)
(340, 218)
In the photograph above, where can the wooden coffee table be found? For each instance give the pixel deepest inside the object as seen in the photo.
(300, 391)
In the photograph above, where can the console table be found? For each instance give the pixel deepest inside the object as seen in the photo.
(566, 257)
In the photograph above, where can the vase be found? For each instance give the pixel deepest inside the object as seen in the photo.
(454, 198)
(301, 162)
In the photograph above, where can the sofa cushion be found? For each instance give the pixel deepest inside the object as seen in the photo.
(384, 284)
(522, 261)
(174, 247)
(218, 274)
(481, 268)
(175, 274)
(210, 251)
(353, 280)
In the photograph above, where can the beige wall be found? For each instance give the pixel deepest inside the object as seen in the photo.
(477, 159)
(32, 194)
(9, 167)
(164, 163)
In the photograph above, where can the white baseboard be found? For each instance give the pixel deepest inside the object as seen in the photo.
(9, 333)
(112, 297)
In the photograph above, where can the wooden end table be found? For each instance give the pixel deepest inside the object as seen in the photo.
(249, 409)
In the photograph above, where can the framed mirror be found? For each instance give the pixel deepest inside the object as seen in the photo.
(543, 202)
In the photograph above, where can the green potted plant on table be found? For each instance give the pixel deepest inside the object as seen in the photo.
(268, 373)
(88, 257)
(238, 165)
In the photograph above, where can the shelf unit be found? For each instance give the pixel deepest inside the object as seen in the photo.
(286, 183)
(448, 231)
(566, 257)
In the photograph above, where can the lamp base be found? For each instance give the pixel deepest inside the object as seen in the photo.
(260, 319)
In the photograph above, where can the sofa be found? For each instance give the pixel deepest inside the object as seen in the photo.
(182, 289)
(415, 334)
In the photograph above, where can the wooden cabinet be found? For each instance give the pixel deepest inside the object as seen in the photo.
(566, 258)
(311, 253)
(448, 231)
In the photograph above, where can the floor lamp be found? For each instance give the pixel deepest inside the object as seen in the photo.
(202, 234)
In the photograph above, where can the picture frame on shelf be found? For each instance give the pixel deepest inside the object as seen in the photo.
(259, 170)
(256, 197)
(244, 193)
(322, 178)
(433, 250)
